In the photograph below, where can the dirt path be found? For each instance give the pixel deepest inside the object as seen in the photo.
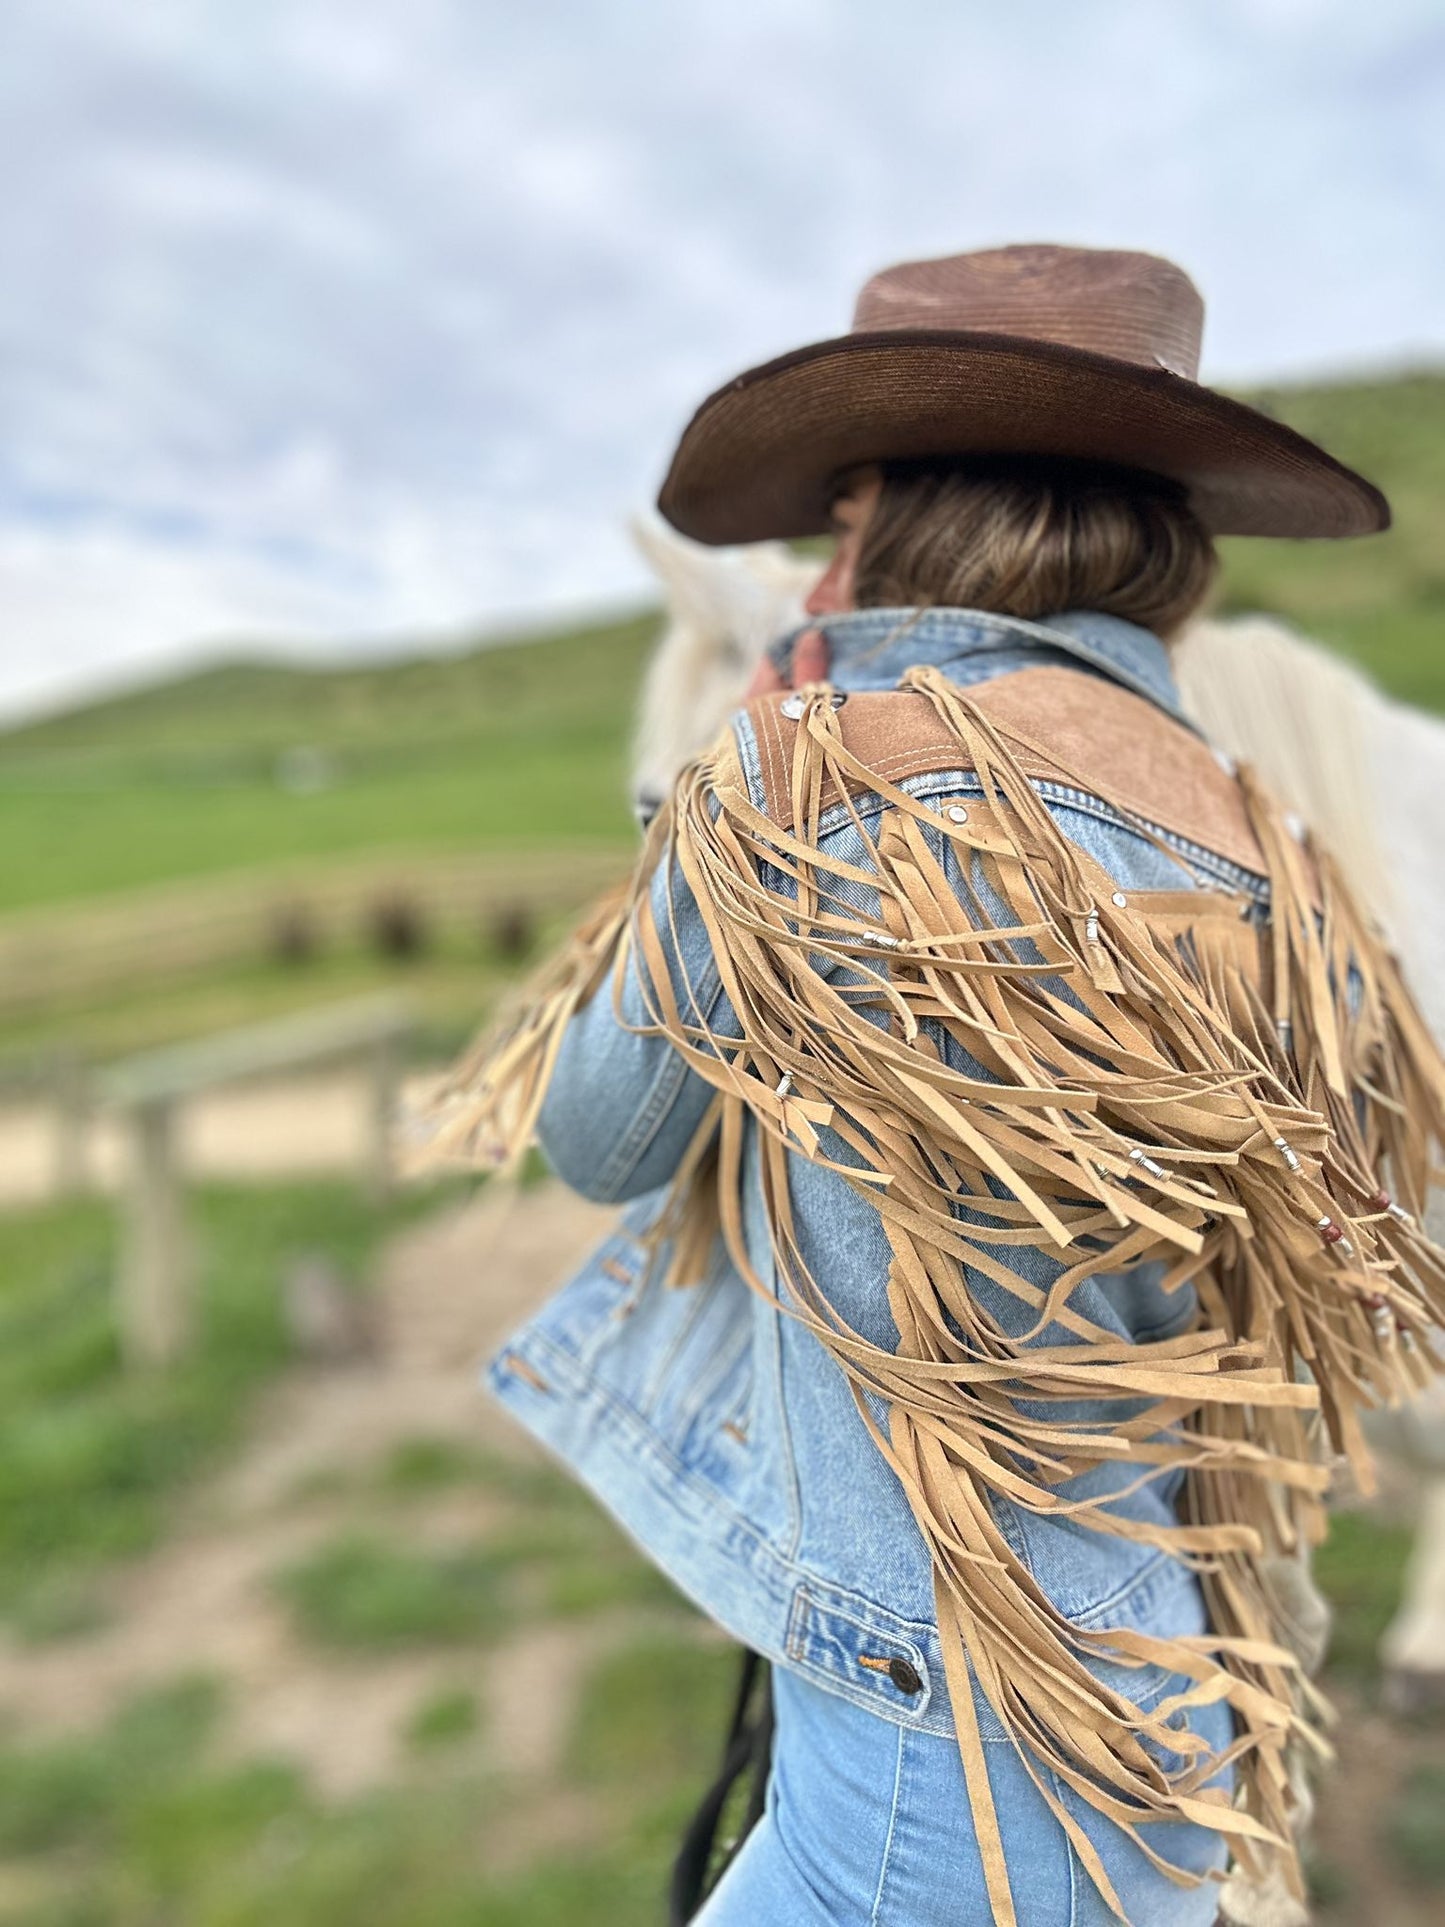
(203, 1602)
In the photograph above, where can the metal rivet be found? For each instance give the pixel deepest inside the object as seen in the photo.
(957, 814)
(904, 1676)
(793, 707)
(1119, 899)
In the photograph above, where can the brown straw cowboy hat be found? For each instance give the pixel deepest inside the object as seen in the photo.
(1081, 352)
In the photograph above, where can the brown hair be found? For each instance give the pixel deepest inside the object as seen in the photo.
(1031, 536)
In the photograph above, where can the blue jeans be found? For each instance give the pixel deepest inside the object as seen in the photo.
(867, 1825)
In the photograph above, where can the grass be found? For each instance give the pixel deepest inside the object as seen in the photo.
(1416, 1833)
(647, 1707)
(145, 1822)
(512, 747)
(1380, 600)
(57, 1794)
(90, 1455)
(550, 1553)
(570, 1557)
(361, 1592)
(1360, 1568)
(443, 1718)
(425, 1464)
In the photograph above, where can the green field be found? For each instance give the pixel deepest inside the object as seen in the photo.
(525, 743)
(1380, 600)
(510, 746)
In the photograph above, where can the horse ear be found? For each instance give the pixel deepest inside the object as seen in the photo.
(693, 576)
(748, 594)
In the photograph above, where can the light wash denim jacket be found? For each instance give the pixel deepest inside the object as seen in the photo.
(717, 1430)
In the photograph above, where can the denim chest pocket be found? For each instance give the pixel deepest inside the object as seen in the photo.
(1089, 1576)
(1161, 1597)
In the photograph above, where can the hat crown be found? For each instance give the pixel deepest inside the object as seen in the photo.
(1109, 301)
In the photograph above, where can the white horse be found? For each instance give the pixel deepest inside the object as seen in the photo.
(1361, 770)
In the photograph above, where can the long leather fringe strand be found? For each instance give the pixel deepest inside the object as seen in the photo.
(1173, 1080)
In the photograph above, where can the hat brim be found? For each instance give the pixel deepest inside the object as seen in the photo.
(761, 457)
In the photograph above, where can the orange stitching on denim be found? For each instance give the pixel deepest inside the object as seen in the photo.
(524, 1370)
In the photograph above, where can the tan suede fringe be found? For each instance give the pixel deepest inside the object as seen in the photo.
(1174, 1079)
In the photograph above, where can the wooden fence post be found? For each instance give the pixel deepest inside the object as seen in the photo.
(154, 1315)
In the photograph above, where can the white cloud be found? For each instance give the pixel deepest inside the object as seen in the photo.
(333, 317)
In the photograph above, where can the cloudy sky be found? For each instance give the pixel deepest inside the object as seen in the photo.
(339, 321)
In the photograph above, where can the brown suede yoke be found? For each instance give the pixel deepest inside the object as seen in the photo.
(1064, 726)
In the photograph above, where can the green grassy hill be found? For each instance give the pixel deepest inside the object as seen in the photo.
(1380, 600)
(514, 746)
(249, 764)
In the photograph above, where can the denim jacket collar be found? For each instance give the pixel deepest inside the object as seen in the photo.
(871, 648)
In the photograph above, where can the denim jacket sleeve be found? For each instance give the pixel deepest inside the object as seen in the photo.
(622, 1108)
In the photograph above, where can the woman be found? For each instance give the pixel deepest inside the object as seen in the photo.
(1016, 1104)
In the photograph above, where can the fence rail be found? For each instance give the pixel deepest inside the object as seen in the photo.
(170, 930)
(148, 1090)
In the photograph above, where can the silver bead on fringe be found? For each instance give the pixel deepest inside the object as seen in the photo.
(1154, 1170)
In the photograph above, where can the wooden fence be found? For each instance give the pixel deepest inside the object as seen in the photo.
(103, 946)
(155, 1276)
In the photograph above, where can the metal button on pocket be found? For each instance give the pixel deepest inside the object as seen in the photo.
(904, 1676)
